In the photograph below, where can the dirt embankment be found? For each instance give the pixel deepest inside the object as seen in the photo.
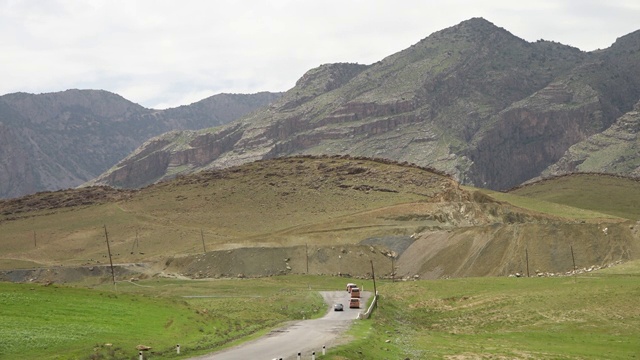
(69, 274)
(507, 249)
(483, 250)
(339, 260)
(346, 260)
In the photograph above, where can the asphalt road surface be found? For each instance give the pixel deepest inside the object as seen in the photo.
(303, 336)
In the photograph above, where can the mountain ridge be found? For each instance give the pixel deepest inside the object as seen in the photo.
(60, 140)
(471, 100)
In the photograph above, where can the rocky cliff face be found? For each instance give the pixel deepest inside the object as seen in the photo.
(61, 140)
(524, 138)
(615, 150)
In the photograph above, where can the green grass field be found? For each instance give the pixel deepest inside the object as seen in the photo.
(592, 316)
(605, 194)
(588, 317)
(56, 322)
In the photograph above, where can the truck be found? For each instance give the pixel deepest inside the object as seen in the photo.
(354, 303)
(355, 292)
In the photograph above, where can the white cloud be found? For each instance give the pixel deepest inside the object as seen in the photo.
(163, 53)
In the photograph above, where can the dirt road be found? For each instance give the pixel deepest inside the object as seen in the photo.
(303, 336)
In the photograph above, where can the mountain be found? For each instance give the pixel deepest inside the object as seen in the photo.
(60, 140)
(471, 100)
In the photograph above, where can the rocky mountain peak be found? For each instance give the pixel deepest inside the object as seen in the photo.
(477, 30)
(629, 42)
(329, 76)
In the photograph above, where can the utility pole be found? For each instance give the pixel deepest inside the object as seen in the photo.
(526, 254)
(202, 236)
(135, 242)
(35, 243)
(373, 274)
(113, 275)
(306, 253)
(393, 271)
(574, 264)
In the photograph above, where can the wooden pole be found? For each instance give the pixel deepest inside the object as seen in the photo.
(574, 264)
(135, 242)
(393, 272)
(113, 274)
(373, 274)
(306, 253)
(202, 236)
(35, 242)
(526, 253)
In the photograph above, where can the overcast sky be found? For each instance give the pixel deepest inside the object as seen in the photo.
(166, 53)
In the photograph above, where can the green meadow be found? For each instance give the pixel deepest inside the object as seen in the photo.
(107, 322)
(593, 316)
(586, 317)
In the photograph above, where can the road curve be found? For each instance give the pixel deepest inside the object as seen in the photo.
(303, 336)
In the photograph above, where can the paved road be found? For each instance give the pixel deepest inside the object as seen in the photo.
(302, 336)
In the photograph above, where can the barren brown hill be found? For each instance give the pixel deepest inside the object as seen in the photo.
(323, 215)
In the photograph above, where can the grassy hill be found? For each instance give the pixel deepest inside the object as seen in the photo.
(608, 194)
(285, 202)
(316, 215)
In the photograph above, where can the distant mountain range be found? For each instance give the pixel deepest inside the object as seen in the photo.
(472, 100)
(61, 140)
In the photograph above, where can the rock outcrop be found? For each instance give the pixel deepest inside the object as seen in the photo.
(615, 150)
